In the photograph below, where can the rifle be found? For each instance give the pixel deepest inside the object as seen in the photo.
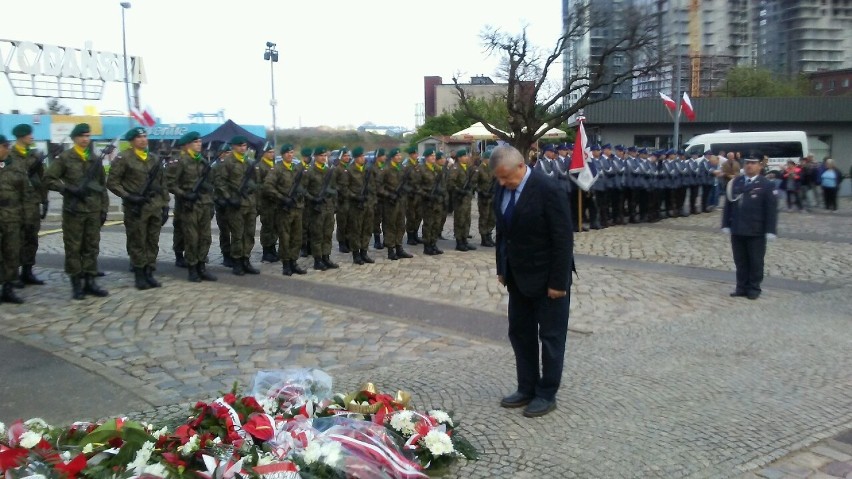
(136, 209)
(405, 177)
(466, 185)
(362, 198)
(244, 185)
(87, 185)
(199, 183)
(434, 192)
(295, 187)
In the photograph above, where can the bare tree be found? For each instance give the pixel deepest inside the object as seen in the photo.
(633, 50)
(54, 107)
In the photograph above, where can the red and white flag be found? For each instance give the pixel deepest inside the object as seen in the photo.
(667, 100)
(580, 160)
(144, 117)
(686, 106)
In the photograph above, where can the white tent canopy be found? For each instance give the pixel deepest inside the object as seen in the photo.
(477, 131)
(552, 132)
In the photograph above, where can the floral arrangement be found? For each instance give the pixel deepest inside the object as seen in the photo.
(290, 427)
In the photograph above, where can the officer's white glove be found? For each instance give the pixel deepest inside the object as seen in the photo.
(770, 237)
(727, 231)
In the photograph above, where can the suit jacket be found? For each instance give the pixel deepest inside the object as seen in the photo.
(754, 211)
(536, 251)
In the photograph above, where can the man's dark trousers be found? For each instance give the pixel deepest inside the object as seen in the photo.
(749, 252)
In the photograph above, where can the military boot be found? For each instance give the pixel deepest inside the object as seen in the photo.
(9, 295)
(90, 286)
(180, 260)
(469, 246)
(327, 260)
(303, 253)
(28, 277)
(428, 251)
(204, 274)
(192, 272)
(392, 253)
(227, 261)
(377, 242)
(296, 268)
(343, 247)
(77, 287)
(248, 268)
(269, 255)
(418, 239)
(319, 265)
(488, 241)
(140, 281)
(460, 245)
(356, 258)
(436, 249)
(286, 269)
(412, 238)
(149, 277)
(237, 269)
(366, 258)
(401, 253)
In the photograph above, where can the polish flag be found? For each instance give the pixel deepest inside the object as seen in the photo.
(670, 104)
(686, 106)
(588, 174)
(144, 117)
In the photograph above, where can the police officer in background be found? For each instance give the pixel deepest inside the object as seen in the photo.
(616, 197)
(85, 204)
(751, 218)
(136, 176)
(266, 211)
(32, 165)
(12, 188)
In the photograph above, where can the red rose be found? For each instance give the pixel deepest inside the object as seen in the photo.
(230, 398)
(251, 402)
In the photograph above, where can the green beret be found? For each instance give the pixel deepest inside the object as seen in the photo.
(380, 152)
(357, 151)
(268, 146)
(320, 150)
(239, 140)
(428, 152)
(411, 149)
(80, 129)
(133, 133)
(306, 152)
(22, 130)
(188, 138)
(3, 140)
(461, 153)
(393, 152)
(439, 155)
(225, 147)
(286, 148)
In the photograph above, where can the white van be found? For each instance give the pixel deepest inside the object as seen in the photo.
(779, 146)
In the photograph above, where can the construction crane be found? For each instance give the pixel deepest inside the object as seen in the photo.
(695, 48)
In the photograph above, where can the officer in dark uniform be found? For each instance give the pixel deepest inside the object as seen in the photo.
(616, 197)
(598, 210)
(12, 194)
(751, 218)
(137, 177)
(694, 166)
(685, 182)
(32, 165)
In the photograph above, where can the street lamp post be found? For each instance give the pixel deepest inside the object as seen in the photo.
(271, 54)
(125, 6)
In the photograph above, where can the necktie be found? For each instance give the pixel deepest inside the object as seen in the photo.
(507, 214)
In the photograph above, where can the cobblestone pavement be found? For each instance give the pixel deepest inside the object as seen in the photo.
(678, 379)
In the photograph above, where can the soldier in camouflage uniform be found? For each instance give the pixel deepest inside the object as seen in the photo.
(221, 209)
(376, 217)
(431, 201)
(342, 205)
(461, 184)
(282, 187)
(484, 184)
(136, 176)
(235, 183)
(441, 161)
(305, 251)
(413, 217)
(31, 163)
(178, 242)
(12, 197)
(81, 180)
(265, 209)
(391, 183)
(358, 192)
(189, 179)
(320, 193)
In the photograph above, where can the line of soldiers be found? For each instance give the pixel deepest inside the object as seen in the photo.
(636, 185)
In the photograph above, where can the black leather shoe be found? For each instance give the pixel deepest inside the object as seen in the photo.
(539, 407)
(737, 294)
(753, 295)
(516, 399)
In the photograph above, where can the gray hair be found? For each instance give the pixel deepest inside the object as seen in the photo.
(505, 156)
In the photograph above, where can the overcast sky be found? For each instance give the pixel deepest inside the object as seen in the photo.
(341, 62)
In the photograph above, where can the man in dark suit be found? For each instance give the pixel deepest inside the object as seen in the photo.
(751, 218)
(534, 261)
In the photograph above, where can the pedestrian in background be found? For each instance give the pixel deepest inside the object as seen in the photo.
(791, 181)
(750, 218)
(830, 180)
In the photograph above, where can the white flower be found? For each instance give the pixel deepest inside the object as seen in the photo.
(2, 429)
(265, 459)
(88, 448)
(156, 470)
(37, 423)
(160, 432)
(332, 453)
(66, 456)
(312, 452)
(143, 455)
(269, 405)
(402, 422)
(438, 443)
(190, 446)
(29, 439)
(441, 416)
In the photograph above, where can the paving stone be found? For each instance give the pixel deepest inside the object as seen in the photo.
(837, 468)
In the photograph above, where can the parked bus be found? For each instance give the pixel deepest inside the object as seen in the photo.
(779, 146)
